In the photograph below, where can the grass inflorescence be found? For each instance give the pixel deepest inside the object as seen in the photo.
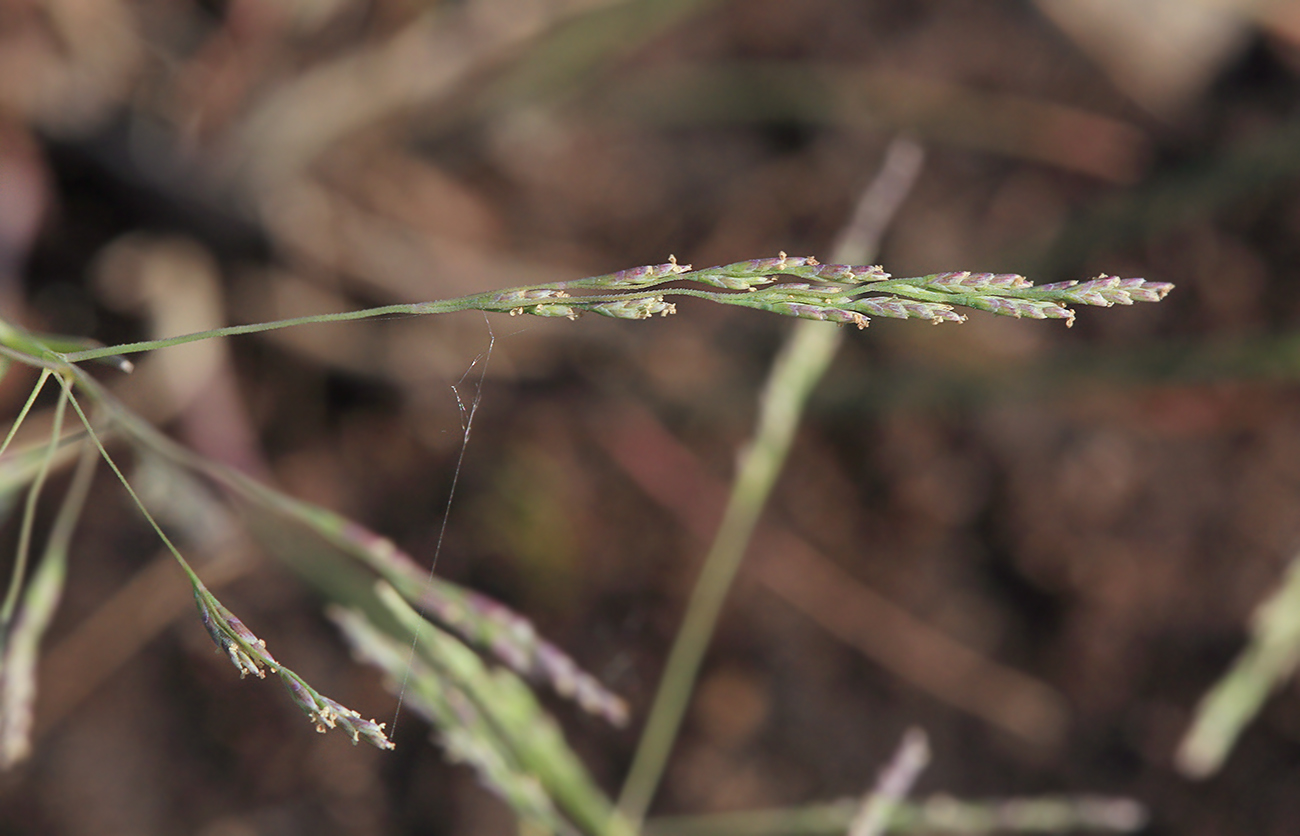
(473, 664)
(798, 286)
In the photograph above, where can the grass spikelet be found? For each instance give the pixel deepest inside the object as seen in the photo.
(898, 308)
(1018, 308)
(642, 308)
(248, 654)
(804, 310)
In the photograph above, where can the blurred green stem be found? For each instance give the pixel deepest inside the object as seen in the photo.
(29, 510)
(1267, 661)
(799, 367)
(934, 815)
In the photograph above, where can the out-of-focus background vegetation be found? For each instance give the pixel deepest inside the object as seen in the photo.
(1041, 545)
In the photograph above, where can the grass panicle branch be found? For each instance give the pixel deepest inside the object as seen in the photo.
(248, 654)
(355, 567)
(468, 677)
(481, 622)
(488, 625)
(796, 286)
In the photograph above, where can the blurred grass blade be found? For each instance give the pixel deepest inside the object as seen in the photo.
(521, 732)
(19, 570)
(938, 814)
(1267, 661)
(39, 600)
(895, 782)
(465, 734)
(510, 706)
(20, 467)
(802, 362)
(485, 624)
(577, 52)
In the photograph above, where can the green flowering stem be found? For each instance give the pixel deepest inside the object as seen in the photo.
(792, 286)
(27, 407)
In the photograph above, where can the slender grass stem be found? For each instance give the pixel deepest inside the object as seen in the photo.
(837, 293)
(103, 452)
(257, 327)
(478, 301)
(27, 407)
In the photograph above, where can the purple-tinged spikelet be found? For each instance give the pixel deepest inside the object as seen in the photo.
(548, 309)
(898, 308)
(836, 273)
(1141, 290)
(224, 627)
(649, 274)
(642, 308)
(326, 714)
(1106, 290)
(507, 297)
(1017, 307)
(746, 275)
(767, 266)
(869, 273)
(818, 312)
(965, 281)
(306, 700)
